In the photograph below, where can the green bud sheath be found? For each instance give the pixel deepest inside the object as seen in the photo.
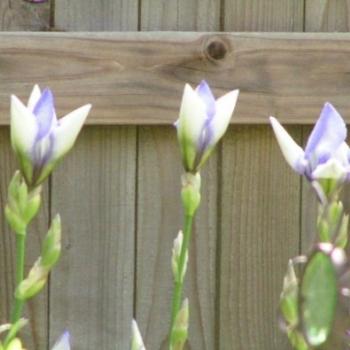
(51, 249)
(31, 208)
(297, 340)
(15, 221)
(179, 332)
(190, 192)
(34, 283)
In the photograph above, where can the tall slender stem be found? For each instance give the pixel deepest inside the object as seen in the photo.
(20, 257)
(177, 295)
(18, 304)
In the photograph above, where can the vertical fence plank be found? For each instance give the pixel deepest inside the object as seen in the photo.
(92, 290)
(260, 230)
(260, 199)
(268, 15)
(185, 15)
(327, 16)
(102, 15)
(19, 15)
(159, 183)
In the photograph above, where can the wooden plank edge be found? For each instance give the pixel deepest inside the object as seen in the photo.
(137, 78)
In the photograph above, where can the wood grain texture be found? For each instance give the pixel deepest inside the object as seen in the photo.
(92, 15)
(91, 290)
(21, 15)
(137, 78)
(260, 196)
(267, 15)
(183, 15)
(259, 230)
(159, 183)
(35, 333)
(327, 16)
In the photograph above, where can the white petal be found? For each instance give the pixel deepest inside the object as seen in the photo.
(192, 116)
(62, 343)
(67, 131)
(34, 97)
(342, 154)
(136, 341)
(225, 106)
(292, 152)
(332, 169)
(24, 127)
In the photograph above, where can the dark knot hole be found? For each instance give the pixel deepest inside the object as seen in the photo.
(217, 50)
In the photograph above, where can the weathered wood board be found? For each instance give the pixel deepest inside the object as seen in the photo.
(91, 290)
(137, 78)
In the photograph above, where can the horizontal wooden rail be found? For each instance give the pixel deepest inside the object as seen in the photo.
(137, 78)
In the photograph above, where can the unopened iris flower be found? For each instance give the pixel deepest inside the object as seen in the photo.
(202, 122)
(326, 155)
(38, 138)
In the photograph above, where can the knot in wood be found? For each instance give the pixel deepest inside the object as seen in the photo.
(216, 50)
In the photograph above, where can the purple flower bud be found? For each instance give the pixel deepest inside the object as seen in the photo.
(326, 154)
(202, 122)
(38, 138)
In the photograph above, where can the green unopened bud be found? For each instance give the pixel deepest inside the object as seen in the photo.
(33, 205)
(15, 345)
(136, 338)
(51, 249)
(22, 205)
(191, 197)
(289, 297)
(15, 221)
(342, 237)
(175, 259)
(332, 224)
(297, 340)
(179, 332)
(34, 283)
(330, 187)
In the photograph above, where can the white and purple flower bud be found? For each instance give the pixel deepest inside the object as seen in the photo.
(202, 122)
(38, 138)
(63, 343)
(326, 154)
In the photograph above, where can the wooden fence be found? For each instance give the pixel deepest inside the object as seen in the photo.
(117, 192)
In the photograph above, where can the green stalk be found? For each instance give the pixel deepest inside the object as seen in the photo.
(18, 304)
(20, 255)
(177, 295)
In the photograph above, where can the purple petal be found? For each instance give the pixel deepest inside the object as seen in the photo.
(328, 134)
(204, 92)
(44, 112)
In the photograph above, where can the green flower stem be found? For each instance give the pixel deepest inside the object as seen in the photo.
(177, 295)
(20, 256)
(18, 304)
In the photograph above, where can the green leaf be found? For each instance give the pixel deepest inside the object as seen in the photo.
(319, 298)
